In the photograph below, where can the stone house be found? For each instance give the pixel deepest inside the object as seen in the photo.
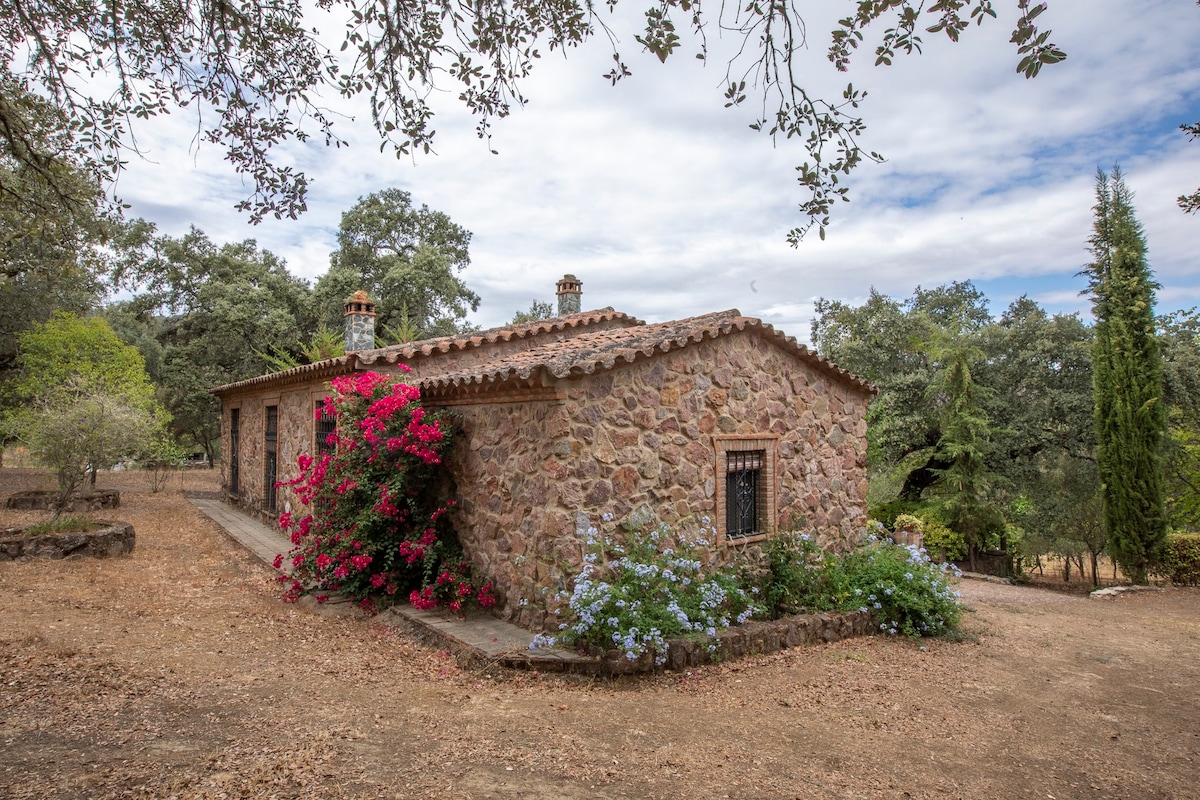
(564, 419)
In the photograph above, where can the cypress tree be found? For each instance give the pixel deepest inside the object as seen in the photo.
(1128, 381)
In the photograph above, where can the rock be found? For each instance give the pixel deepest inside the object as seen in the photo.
(109, 540)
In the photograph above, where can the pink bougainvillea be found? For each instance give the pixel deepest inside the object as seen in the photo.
(375, 528)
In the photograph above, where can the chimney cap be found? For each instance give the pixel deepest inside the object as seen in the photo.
(359, 303)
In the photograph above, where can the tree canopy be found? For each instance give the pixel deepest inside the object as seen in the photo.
(252, 74)
(54, 220)
(407, 259)
(205, 314)
(976, 416)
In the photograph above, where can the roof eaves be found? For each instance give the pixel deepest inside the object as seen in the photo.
(328, 368)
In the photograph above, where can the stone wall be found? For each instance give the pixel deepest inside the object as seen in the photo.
(535, 475)
(296, 422)
(297, 434)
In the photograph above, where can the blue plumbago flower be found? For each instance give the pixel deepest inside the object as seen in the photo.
(908, 576)
(607, 516)
(542, 642)
(863, 609)
(523, 601)
(879, 605)
(888, 591)
(858, 592)
(871, 597)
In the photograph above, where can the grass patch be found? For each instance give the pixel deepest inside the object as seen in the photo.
(68, 524)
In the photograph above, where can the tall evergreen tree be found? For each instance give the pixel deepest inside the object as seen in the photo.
(1128, 381)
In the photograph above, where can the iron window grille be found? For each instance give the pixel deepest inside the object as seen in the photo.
(234, 423)
(271, 436)
(743, 492)
(326, 426)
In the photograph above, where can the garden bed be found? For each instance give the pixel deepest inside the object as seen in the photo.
(750, 638)
(103, 540)
(43, 500)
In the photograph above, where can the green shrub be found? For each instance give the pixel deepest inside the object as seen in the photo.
(938, 538)
(889, 511)
(799, 577)
(1181, 559)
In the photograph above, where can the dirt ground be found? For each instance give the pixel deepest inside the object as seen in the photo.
(175, 672)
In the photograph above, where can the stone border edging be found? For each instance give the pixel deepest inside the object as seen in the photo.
(117, 538)
(751, 638)
(43, 500)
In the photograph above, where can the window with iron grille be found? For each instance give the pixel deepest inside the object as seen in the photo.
(743, 493)
(271, 465)
(746, 491)
(326, 425)
(235, 415)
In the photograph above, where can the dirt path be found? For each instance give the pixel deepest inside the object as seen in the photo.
(174, 672)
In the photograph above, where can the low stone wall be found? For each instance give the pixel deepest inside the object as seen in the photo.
(116, 538)
(43, 500)
(752, 638)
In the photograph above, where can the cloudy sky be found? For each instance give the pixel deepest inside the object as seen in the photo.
(666, 205)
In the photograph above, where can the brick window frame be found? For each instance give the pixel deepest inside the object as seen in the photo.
(766, 489)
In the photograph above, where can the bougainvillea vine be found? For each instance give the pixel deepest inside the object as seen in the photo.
(375, 528)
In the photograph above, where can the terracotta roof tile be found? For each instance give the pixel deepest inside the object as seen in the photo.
(584, 353)
(595, 351)
(324, 370)
(350, 362)
(505, 333)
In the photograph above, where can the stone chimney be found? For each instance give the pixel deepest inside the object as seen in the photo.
(360, 323)
(570, 292)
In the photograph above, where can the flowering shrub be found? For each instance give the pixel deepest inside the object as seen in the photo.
(897, 585)
(638, 589)
(375, 531)
(900, 587)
